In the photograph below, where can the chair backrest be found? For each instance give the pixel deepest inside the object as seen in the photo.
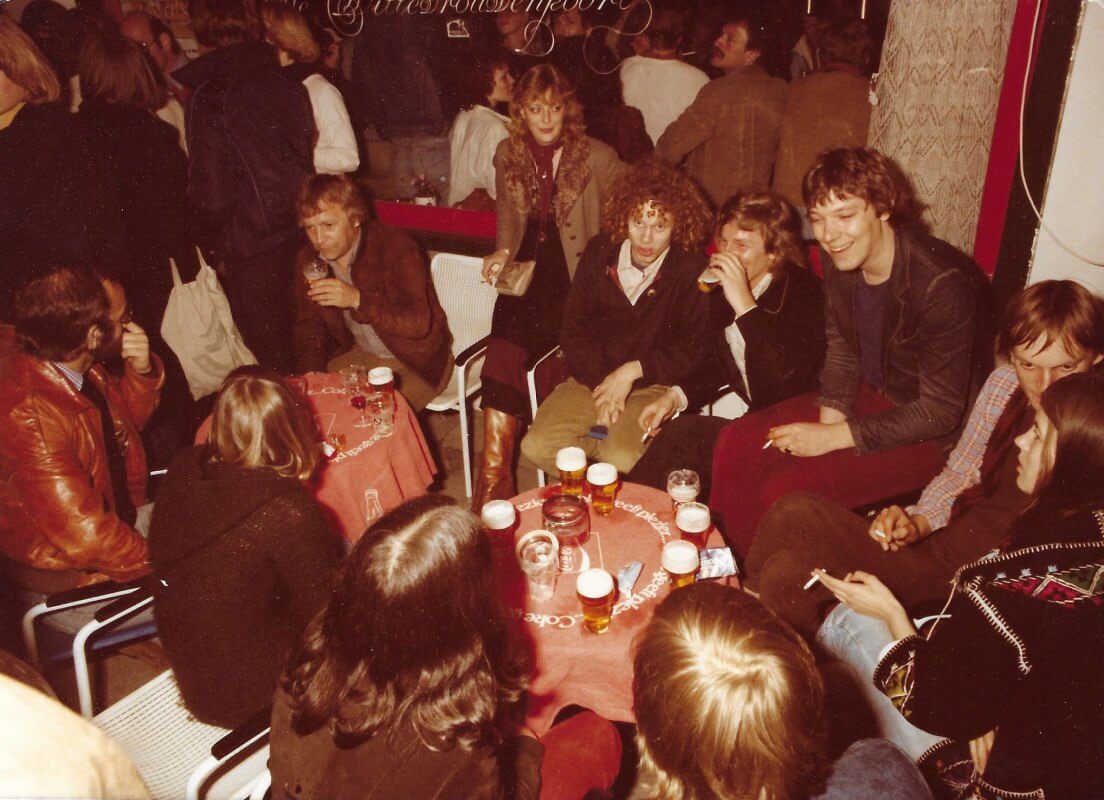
(165, 742)
(467, 301)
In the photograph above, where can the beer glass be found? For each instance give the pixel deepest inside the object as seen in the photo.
(569, 519)
(604, 485)
(499, 519)
(537, 554)
(683, 486)
(571, 463)
(708, 280)
(354, 380)
(381, 405)
(680, 561)
(694, 523)
(315, 270)
(595, 590)
(382, 379)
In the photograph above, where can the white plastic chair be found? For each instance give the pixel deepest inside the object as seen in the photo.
(534, 401)
(122, 601)
(178, 756)
(468, 304)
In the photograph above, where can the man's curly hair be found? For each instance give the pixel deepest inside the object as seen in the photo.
(670, 191)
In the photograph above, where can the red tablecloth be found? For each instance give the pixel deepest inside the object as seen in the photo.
(370, 476)
(570, 664)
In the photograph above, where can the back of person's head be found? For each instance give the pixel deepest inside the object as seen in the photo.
(257, 421)
(1075, 480)
(863, 173)
(412, 635)
(476, 82)
(25, 65)
(338, 190)
(218, 23)
(845, 40)
(52, 312)
(668, 191)
(1053, 311)
(114, 69)
(668, 28)
(769, 215)
(546, 83)
(728, 700)
(286, 29)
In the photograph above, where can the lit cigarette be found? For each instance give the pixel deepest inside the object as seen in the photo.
(647, 433)
(811, 582)
(768, 443)
(155, 472)
(880, 533)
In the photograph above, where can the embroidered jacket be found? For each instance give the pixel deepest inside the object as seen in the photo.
(1020, 654)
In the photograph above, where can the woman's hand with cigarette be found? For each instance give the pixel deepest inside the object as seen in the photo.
(864, 593)
(893, 528)
(658, 411)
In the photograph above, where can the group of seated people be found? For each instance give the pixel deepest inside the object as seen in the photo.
(390, 669)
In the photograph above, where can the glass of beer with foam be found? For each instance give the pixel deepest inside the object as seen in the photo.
(694, 523)
(499, 518)
(683, 486)
(595, 590)
(571, 463)
(680, 562)
(604, 484)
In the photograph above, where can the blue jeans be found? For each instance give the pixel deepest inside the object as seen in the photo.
(857, 641)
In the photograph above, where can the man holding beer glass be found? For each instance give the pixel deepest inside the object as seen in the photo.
(767, 340)
(635, 322)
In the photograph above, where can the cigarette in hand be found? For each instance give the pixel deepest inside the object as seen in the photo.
(880, 534)
(813, 581)
(768, 443)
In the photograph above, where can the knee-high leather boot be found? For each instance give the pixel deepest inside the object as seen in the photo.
(495, 480)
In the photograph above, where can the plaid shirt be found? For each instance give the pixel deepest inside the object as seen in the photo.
(963, 468)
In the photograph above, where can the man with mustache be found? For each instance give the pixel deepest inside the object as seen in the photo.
(729, 134)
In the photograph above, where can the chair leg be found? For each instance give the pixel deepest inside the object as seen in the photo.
(466, 445)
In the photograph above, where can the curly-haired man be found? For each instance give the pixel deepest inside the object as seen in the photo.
(634, 323)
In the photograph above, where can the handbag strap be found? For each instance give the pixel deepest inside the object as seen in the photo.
(175, 272)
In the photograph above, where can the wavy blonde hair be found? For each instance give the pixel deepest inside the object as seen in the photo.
(542, 82)
(770, 216)
(258, 421)
(728, 701)
(24, 64)
(286, 29)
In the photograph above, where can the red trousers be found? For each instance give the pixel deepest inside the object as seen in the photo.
(581, 753)
(747, 479)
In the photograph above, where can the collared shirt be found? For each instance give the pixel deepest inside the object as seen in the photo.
(963, 468)
(635, 281)
(738, 347)
(75, 378)
(364, 335)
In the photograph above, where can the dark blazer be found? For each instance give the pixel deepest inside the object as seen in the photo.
(250, 145)
(937, 330)
(783, 344)
(665, 330)
(396, 298)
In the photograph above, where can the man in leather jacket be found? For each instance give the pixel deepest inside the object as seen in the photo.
(72, 468)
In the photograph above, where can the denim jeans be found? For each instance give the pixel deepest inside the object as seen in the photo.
(858, 641)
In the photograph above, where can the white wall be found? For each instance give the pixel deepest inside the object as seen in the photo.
(1074, 204)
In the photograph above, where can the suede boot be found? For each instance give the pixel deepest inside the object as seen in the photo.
(495, 480)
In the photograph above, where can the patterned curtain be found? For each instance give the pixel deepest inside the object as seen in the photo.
(940, 79)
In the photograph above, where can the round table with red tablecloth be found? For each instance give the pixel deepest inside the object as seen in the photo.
(369, 475)
(571, 665)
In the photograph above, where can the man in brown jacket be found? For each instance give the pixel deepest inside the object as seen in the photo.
(729, 134)
(72, 468)
(377, 307)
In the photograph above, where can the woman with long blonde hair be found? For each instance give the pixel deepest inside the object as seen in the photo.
(241, 553)
(550, 179)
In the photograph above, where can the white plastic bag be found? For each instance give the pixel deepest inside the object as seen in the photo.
(199, 328)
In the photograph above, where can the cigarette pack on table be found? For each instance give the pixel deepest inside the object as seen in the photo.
(716, 562)
(626, 577)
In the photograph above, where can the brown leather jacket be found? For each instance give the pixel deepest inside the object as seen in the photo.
(397, 300)
(56, 506)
